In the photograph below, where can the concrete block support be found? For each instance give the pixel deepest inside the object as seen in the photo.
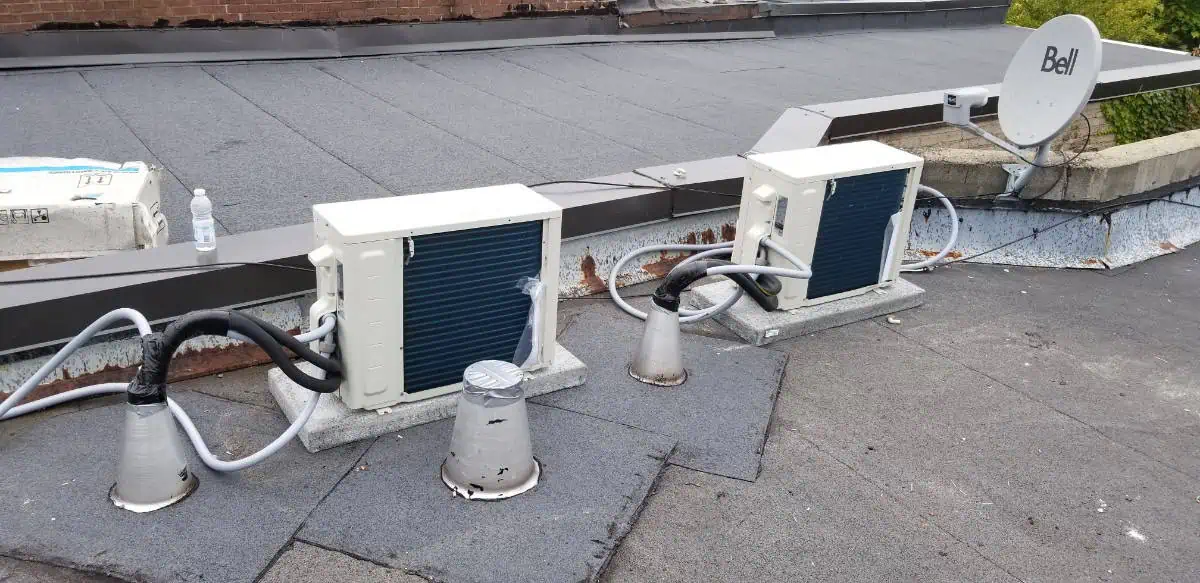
(758, 327)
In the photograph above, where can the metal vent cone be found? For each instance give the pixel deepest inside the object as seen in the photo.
(491, 456)
(659, 356)
(152, 472)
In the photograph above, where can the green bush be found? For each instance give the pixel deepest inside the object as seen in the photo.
(1150, 115)
(1166, 23)
(1134, 21)
(1179, 21)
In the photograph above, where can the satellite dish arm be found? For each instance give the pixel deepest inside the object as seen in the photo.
(956, 110)
(1019, 177)
(1004, 145)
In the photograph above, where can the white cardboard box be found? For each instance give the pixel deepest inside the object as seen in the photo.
(58, 208)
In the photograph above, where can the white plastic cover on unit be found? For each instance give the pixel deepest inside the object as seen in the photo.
(844, 209)
(426, 284)
(58, 208)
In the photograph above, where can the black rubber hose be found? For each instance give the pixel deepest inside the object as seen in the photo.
(287, 340)
(768, 302)
(667, 294)
(150, 384)
(679, 278)
(260, 336)
(769, 284)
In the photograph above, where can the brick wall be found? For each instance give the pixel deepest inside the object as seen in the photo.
(945, 136)
(20, 15)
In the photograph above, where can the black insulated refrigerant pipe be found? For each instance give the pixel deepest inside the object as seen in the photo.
(667, 294)
(150, 384)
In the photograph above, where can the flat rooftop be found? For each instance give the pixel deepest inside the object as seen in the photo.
(1022, 425)
(268, 140)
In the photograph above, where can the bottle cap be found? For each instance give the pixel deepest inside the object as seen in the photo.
(199, 192)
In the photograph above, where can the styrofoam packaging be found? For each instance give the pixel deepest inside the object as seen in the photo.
(58, 208)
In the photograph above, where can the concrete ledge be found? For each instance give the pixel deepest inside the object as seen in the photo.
(759, 328)
(333, 424)
(1095, 177)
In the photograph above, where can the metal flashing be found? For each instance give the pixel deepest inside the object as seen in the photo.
(108, 47)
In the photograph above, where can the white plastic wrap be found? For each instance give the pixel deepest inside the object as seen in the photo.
(529, 349)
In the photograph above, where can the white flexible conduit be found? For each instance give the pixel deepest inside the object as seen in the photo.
(801, 271)
(716, 249)
(949, 242)
(101, 323)
(10, 409)
(218, 465)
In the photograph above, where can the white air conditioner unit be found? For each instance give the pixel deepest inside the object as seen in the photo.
(424, 285)
(844, 209)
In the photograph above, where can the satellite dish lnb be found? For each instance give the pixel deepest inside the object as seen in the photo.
(1050, 80)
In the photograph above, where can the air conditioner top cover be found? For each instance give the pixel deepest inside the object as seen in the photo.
(401, 216)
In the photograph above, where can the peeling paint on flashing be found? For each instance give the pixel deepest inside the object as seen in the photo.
(1102, 241)
(115, 360)
(587, 261)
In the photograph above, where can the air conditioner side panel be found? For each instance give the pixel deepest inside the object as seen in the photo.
(900, 241)
(797, 231)
(551, 243)
(371, 324)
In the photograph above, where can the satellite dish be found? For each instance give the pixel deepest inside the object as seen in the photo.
(1049, 80)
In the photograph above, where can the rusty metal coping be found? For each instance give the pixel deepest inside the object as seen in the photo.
(40, 313)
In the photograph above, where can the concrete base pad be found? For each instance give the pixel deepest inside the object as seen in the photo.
(334, 424)
(758, 327)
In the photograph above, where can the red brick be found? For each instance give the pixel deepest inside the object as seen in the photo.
(26, 14)
(24, 8)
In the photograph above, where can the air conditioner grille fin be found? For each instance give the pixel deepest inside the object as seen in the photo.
(852, 231)
(461, 300)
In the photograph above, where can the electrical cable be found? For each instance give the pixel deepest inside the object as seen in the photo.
(270, 449)
(205, 267)
(328, 323)
(185, 421)
(149, 386)
(287, 340)
(659, 186)
(949, 241)
(72, 395)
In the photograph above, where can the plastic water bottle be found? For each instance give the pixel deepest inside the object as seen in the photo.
(203, 228)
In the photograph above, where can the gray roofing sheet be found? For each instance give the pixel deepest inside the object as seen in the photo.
(270, 139)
